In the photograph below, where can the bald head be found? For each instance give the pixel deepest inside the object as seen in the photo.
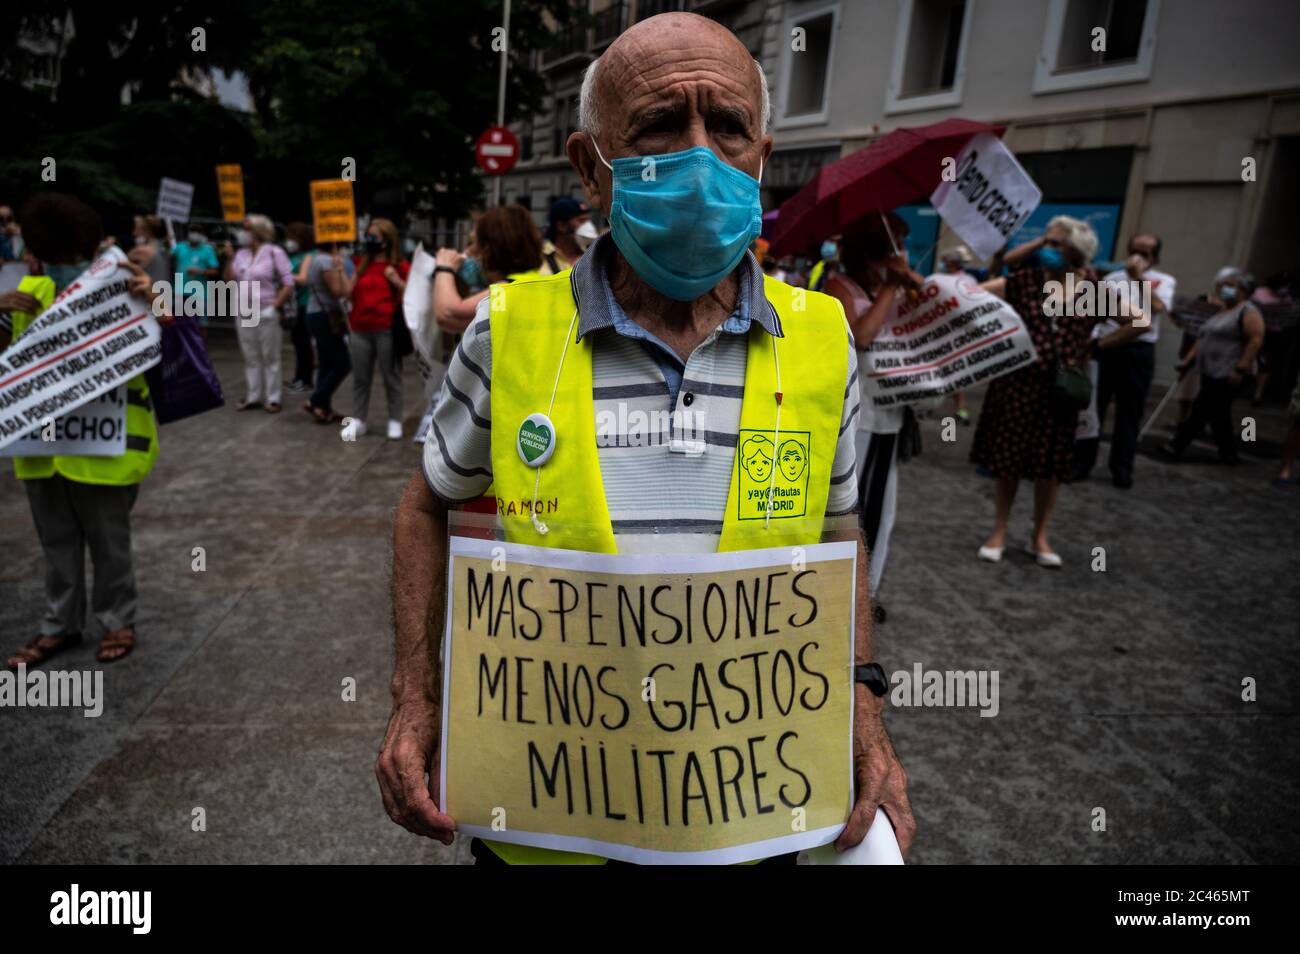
(671, 83)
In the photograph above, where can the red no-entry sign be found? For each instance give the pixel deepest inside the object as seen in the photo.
(497, 150)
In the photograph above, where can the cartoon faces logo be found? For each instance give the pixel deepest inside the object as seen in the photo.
(756, 458)
(793, 460)
(773, 476)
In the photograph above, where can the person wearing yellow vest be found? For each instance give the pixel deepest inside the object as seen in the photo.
(78, 502)
(668, 312)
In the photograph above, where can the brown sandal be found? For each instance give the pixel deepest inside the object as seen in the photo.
(272, 407)
(116, 644)
(42, 648)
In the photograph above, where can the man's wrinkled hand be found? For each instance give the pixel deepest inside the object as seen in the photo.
(407, 769)
(881, 782)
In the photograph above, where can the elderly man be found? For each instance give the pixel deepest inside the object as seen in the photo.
(1127, 363)
(667, 313)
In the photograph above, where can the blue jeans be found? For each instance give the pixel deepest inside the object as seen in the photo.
(335, 362)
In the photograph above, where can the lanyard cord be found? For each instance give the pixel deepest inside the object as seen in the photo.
(776, 437)
(537, 484)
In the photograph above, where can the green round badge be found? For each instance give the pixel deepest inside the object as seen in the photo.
(536, 440)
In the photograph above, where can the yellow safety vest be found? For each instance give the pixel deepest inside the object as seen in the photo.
(141, 427)
(815, 275)
(528, 331)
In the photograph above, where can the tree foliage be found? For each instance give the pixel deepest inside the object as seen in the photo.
(402, 87)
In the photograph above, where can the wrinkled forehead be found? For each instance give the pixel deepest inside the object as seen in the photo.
(641, 78)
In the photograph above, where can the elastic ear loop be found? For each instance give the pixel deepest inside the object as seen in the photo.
(776, 442)
(537, 484)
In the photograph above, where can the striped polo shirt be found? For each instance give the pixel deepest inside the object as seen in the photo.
(665, 429)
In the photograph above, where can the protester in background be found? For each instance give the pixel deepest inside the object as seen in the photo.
(875, 273)
(826, 266)
(196, 263)
(957, 261)
(298, 240)
(507, 246)
(329, 289)
(569, 232)
(81, 502)
(1126, 367)
(1023, 433)
(376, 297)
(11, 236)
(150, 250)
(1274, 290)
(265, 266)
(1224, 353)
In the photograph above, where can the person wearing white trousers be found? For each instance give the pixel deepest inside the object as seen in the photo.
(266, 281)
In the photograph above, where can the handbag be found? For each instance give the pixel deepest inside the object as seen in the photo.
(1071, 387)
(183, 383)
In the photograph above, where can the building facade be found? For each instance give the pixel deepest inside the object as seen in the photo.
(1180, 117)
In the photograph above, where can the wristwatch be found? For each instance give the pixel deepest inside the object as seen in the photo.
(444, 268)
(872, 675)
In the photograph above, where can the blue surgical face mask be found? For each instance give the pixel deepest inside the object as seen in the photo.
(1228, 294)
(683, 220)
(829, 249)
(1050, 257)
(471, 273)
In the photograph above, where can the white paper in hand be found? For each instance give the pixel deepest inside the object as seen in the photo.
(879, 847)
(417, 305)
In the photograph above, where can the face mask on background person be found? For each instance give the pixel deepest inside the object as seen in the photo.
(291, 246)
(63, 275)
(586, 234)
(471, 273)
(1228, 294)
(141, 239)
(374, 244)
(685, 229)
(243, 238)
(195, 238)
(1051, 258)
(829, 250)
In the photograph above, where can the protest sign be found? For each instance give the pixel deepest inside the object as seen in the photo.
(230, 189)
(332, 210)
(990, 196)
(174, 200)
(953, 336)
(96, 429)
(655, 709)
(92, 339)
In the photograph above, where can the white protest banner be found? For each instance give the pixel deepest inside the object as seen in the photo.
(93, 338)
(417, 305)
(953, 336)
(668, 709)
(174, 199)
(991, 195)
(96, 429)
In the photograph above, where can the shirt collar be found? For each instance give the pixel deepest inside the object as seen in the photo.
(598, 309)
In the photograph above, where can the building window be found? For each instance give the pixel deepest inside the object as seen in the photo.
(806, 67)
(1090, 43)
(929, 55)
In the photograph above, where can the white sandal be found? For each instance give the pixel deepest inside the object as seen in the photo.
(991, 554)
(1050, 559)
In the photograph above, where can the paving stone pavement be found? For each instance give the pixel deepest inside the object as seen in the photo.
(1119, 690)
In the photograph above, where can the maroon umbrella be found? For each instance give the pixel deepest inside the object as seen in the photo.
(900, 167)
